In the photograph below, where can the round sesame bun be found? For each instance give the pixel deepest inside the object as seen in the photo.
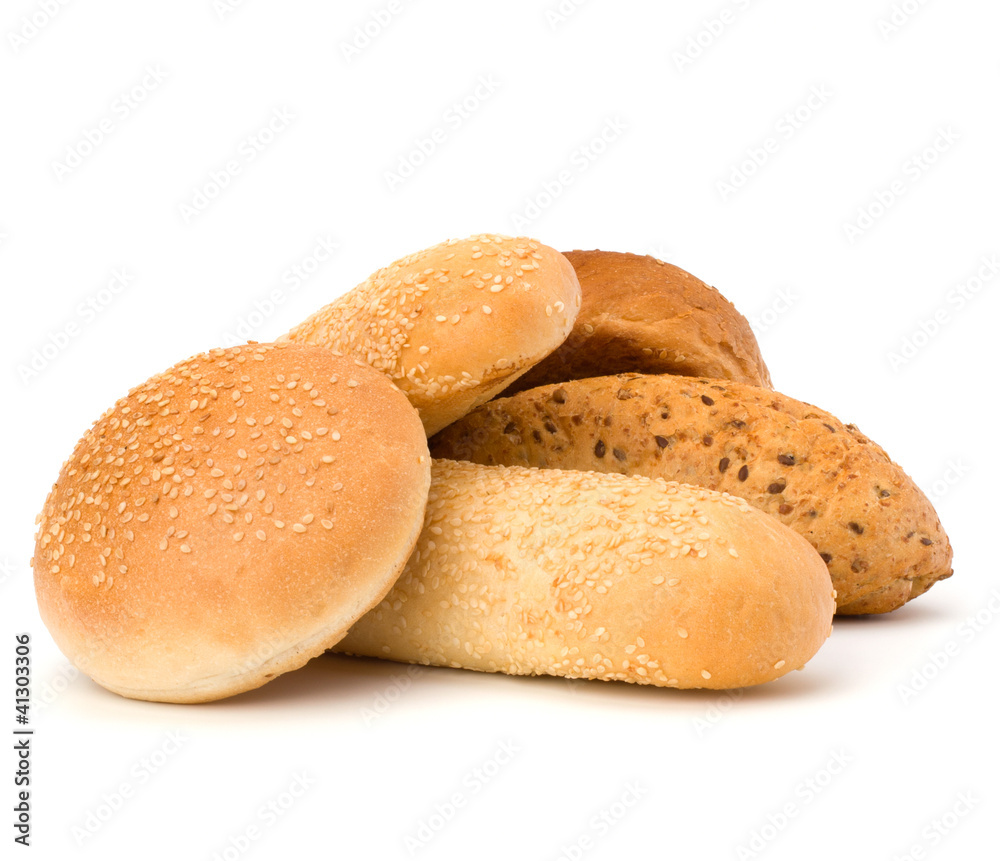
(455, 324)
(642, 315)
(228, 520)
(584, 575)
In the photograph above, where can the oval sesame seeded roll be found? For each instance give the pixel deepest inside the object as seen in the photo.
(875, 530)
(642, 315)
(550, 572)
(455, 324)
(229, 519)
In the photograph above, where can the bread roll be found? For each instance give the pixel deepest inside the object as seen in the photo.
(643, 315)
(229, 519)
(878, 534)
(600, 577)
(454, 324)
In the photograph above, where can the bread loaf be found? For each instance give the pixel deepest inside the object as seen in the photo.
(877, 533)
(600, 577)
(643, 315)
(454, 324)
(228, 519)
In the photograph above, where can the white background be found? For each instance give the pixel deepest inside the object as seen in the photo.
(715, 776)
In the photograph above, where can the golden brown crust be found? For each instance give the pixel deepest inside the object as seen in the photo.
(454, 324)
(642, 315)
(228, 519)
(601, 577)
(822, 478)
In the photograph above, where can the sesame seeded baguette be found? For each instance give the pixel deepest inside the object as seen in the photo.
(455, 324)
(595, 576)
(642, 315)
(878, 534)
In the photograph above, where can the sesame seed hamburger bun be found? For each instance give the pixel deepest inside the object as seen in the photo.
(228, 520)
(455, 324)
(642, 315)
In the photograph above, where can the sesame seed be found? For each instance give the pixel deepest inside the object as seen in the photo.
(779, 665)
(487, 309)
(682, 633)
(237, 536)
(298, 527)
(261, 534)
(705, 674)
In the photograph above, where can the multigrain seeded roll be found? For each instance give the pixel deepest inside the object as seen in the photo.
(228, 519)
(878, 534)
(454, 324)
(600, 577)
(642, 315)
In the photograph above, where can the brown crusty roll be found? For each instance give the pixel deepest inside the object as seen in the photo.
(454, 324)
(642, 315)
(228, 519)
(595, 576)
(878, 534)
